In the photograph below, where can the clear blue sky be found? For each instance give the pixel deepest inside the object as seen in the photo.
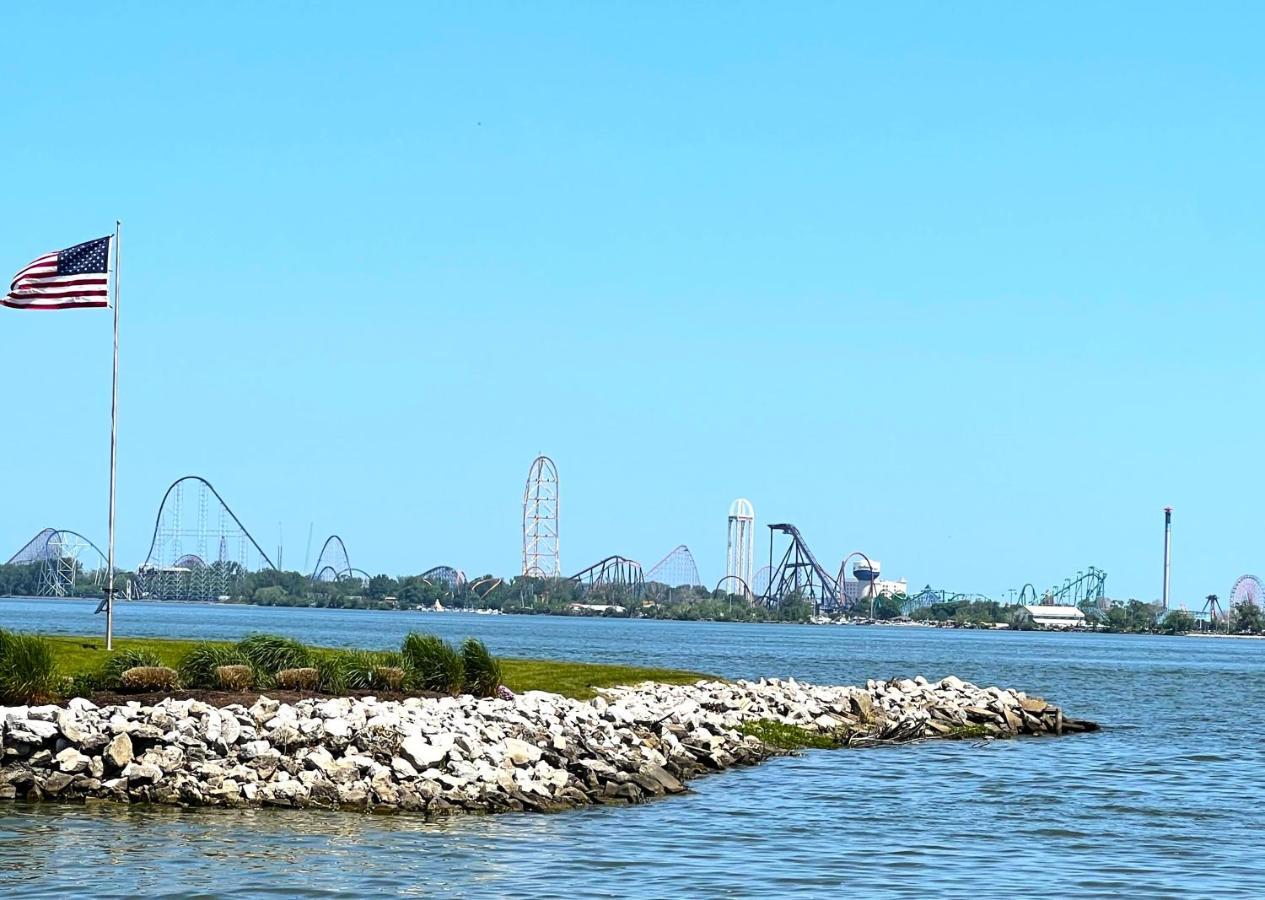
(976, 290)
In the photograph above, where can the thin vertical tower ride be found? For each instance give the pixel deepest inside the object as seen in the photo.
(1168, 546)
(540, 520)
(740, 556)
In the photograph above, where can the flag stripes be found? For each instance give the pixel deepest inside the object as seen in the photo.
(73, 278)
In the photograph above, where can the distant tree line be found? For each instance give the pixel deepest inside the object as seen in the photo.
(561, 596)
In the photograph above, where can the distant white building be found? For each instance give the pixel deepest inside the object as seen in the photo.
(891, 588)
(1054, 616)
(852, 589)
(596, 608)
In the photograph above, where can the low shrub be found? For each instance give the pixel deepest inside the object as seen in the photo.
(482, 669)
(305, 678)
(122, 660)
(28, 673)
(273, 653)
(200, 666)
(234, 677)
(85, 684)
(149, 679)
(433, 664)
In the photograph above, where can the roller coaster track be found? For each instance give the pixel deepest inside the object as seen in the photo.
(158, 520)
(614, 572)
(40, 547)
(929, 597)
(56, 551)
(160, 575)
(1089, 585)
(677, 569)
(799, 576)
(449, 575)
(733, 586)
(332, 563)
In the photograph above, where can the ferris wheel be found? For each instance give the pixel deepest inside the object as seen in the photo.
(1248, 589)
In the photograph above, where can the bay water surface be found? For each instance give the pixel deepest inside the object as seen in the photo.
(1166, 801)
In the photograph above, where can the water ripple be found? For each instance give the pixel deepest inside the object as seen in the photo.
(1165, 802)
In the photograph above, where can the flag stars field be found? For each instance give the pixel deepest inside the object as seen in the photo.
(68, 279)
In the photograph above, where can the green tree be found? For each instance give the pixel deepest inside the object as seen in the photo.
(273, 595)
(1178, 622)
(20, 579)
(381, 586)
(1134, 616)
(1246, 618)
(887, 606)
(1142, 616)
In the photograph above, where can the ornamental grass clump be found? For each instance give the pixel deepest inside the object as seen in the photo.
(234, 678)
(332, 672)
(122, 660)
(149, 679)
(273, 653)
(200, 666)
(390, 677)
(28, 672)
(482, 669)
(305, 678)
(362, 666)
(433, 664)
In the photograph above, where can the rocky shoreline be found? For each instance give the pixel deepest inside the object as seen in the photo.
(440, 756)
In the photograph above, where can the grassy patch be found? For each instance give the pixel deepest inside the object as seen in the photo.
(581, 680)
(967, 732)
(787, 737)
(87, 655)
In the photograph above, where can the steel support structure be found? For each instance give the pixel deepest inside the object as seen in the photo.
(677, 569)
(179, 564)
(57, 553)
(615, 575)
(448, 575)
(799, 576)
(740, 547)
(541, 557)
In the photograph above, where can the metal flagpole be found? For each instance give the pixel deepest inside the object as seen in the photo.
(114, 422)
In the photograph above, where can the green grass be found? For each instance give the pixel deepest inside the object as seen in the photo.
(86, 655)
(28, 669)
(788, 737)
(580, 680)
(436, 665)
(122, 660)
(968, 732)
(482, 670)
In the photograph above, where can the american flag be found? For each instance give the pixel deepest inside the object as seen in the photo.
(64, 279)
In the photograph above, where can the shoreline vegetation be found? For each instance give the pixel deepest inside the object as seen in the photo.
(524, 595)
(53, 666)
(472, 745)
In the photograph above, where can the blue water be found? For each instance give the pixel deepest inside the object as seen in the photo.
(1165, 802)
